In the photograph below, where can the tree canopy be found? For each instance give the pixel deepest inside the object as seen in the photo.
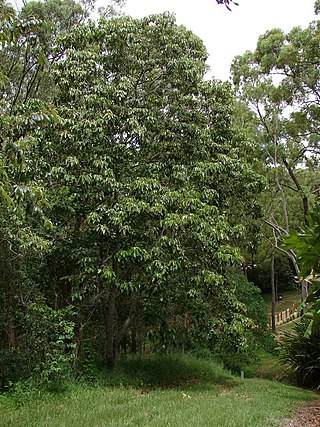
(279, 81)
(142, 181)
(145, 152)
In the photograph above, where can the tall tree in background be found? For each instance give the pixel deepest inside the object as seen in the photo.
(280, 82)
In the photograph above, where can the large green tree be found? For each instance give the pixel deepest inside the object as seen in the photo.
(17, 193)
(122, 215)
(147, 172)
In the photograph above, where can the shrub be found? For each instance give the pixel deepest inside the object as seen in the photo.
(47, 339)
(301, 353)
(12, 367)
(255, 335)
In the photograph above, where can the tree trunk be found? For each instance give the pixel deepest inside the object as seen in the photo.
(273, 288)
(134, 347)
(304, 293)
(304, 198)
(114, 334)
(79, 336)
(11, 334)
(110, 322)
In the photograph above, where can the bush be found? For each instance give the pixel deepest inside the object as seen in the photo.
(46, 344)
(257, 335)
(255, 309)
(12, 363)
(301, 353)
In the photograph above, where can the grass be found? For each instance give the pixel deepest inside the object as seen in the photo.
(266, 366)
(169, 391)
(289, 298)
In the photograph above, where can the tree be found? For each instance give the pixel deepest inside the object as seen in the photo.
(118, 219)
(140, 169)
(280, 82)
(17, 197)
(24, 54)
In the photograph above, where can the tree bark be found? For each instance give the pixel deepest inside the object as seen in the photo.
(304, 198)
(11, 334)
(273, 307)
(110, 321)
(134, 347)
(304, 290)
(115, 335)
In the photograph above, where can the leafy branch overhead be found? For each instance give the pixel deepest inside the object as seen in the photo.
(227, 3)
(306, 242)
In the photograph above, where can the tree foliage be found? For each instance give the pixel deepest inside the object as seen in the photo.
(280, 83)
(144, 152)
(127, 191)
(23, 113)
(301, 348)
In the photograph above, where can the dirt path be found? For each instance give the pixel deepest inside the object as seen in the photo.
(307, 416)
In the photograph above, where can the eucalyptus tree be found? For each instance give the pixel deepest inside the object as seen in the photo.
(26, 64)
(145, 167)
(295, 57)
(280, 82)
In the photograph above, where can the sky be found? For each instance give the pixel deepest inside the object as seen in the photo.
(227, 34)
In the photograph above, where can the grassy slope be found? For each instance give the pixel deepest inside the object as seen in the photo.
(171, 392)
(267, 366)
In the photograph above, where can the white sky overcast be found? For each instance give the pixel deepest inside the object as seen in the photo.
(227, 34)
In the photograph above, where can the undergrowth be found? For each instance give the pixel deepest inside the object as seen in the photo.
(157, 391)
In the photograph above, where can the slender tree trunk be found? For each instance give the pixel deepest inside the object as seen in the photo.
(110, 322)
(127, 323)
(79, 339)
(304, 290)
(273, 308)
(134, 347)
(11, 334)
(304, 198)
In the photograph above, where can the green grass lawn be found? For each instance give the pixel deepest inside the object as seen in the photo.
(289, 298)
(176, 392)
